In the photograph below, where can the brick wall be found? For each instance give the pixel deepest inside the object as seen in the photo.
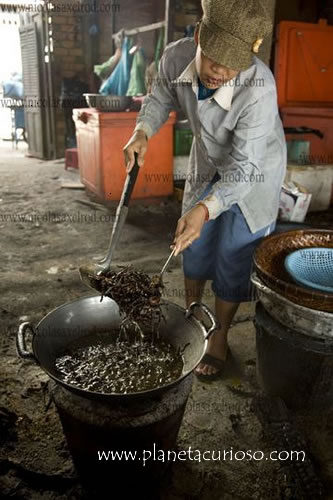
(68, 58)
(105, 38)
(130, 14)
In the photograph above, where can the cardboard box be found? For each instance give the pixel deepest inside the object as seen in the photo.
(317, 180)
(294, 202)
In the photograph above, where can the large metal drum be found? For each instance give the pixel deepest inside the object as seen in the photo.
(296, 367)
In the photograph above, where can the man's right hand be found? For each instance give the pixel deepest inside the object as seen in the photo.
(137, 144)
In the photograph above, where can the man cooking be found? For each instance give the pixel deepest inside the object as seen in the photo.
(238, 156)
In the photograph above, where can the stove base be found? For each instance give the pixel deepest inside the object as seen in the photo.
(122, 445)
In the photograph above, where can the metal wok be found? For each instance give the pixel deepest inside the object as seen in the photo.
(88, 315)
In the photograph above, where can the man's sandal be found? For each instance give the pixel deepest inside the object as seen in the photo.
(210, 360)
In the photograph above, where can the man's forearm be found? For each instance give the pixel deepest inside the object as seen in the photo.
(145, 128)
(234, 185)
(157, 105)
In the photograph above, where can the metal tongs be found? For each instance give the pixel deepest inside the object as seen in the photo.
(166, 265)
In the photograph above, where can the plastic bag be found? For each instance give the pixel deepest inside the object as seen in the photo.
(117, 83)
(13, 89)
(137, 85)
(105, 69)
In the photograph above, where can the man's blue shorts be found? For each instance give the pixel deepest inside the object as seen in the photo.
(224, 254)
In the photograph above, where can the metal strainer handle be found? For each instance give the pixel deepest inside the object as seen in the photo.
(208, 312)
(21, 346)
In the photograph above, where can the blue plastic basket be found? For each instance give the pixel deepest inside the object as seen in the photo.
(312, 267)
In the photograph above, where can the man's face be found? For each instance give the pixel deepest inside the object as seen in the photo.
(211, 74)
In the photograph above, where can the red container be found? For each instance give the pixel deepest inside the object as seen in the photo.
(71, 158)
(101, 138)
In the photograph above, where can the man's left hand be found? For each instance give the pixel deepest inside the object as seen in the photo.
(189, 228)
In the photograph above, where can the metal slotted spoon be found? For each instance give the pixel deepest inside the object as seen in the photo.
(92, 269)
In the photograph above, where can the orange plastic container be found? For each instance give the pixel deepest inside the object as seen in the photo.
(304, 79)
(303, 64)
(100, 141)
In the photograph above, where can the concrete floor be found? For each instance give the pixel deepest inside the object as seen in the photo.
(41, 254)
